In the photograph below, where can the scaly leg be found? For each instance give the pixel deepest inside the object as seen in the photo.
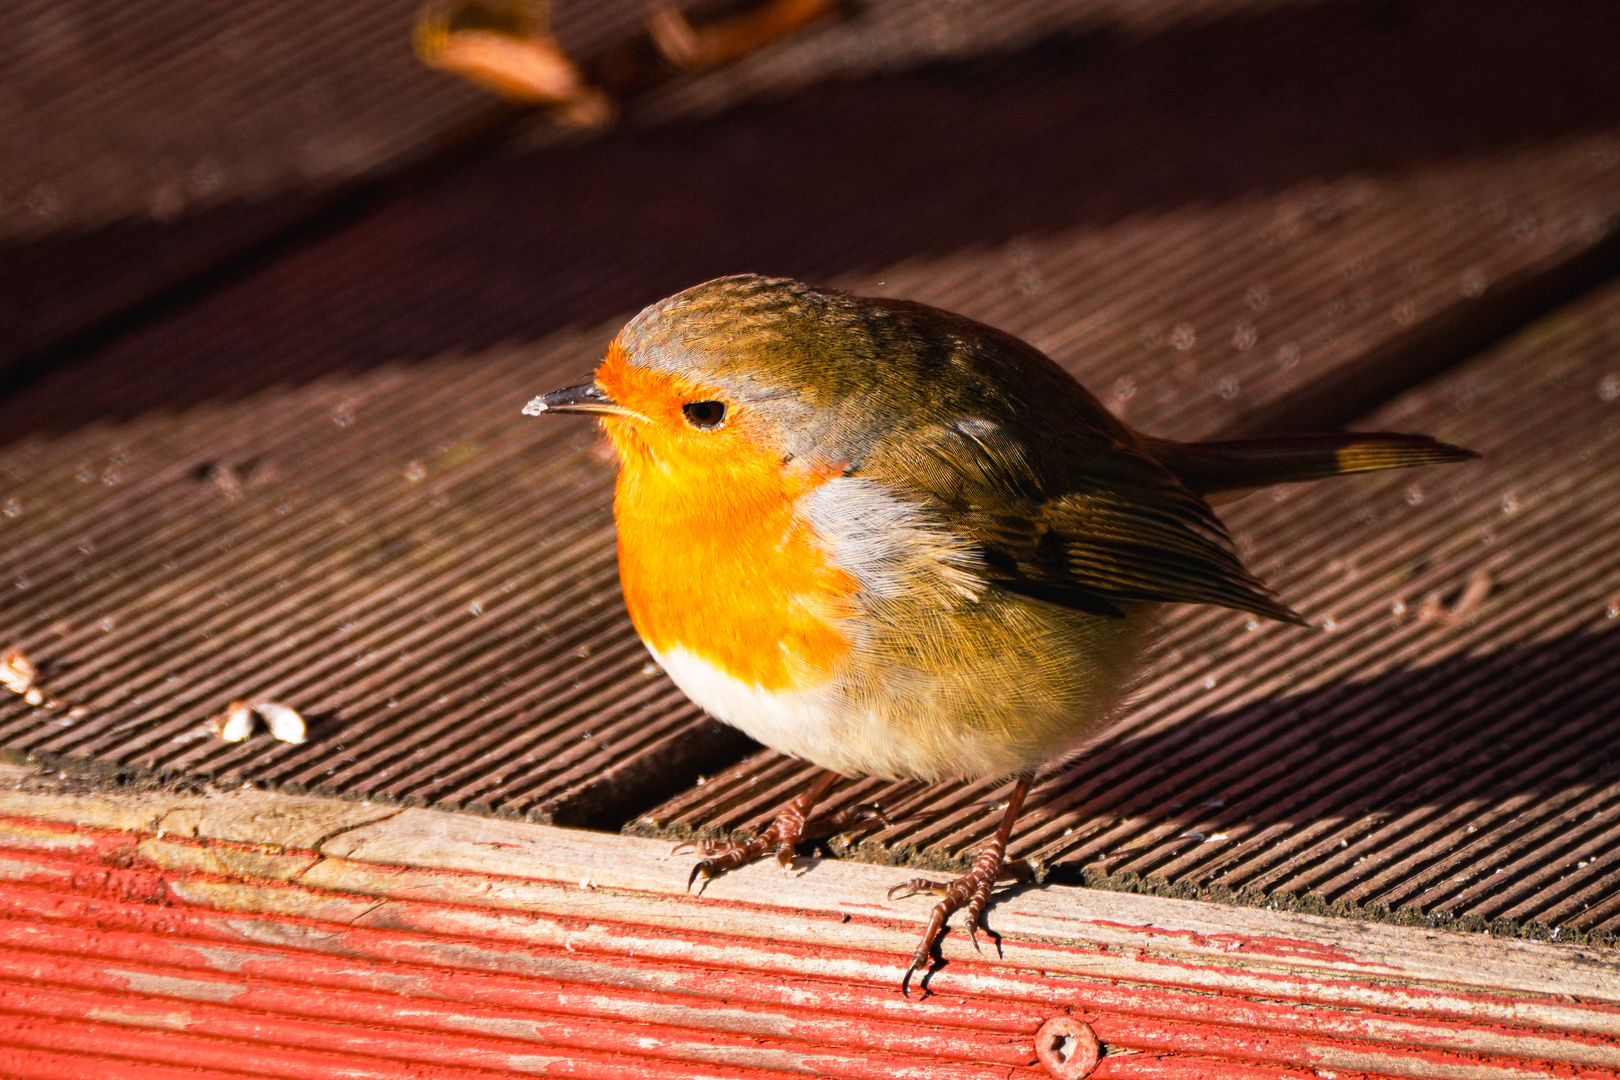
(972, 889)
(792, 826)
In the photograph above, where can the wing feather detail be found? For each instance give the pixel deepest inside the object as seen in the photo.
(1107, 524)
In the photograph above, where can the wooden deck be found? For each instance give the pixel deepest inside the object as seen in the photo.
(272, 295)
(276, 935)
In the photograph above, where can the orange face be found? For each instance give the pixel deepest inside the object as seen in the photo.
(714, 556)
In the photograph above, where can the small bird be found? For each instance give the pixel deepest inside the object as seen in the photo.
(899, 543)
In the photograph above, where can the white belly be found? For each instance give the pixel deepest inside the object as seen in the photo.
(798, 722)
(887, 738)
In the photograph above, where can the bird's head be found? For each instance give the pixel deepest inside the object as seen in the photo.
(738, 371)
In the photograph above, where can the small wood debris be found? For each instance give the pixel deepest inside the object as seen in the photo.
(226, 480)
(19, 675)
(1434, 609)
(17, 672)
(240, 717)
(284, 722)
(234, 724)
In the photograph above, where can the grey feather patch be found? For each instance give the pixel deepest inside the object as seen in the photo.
(892, 546)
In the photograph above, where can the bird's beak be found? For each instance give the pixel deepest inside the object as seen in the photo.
(584, 398)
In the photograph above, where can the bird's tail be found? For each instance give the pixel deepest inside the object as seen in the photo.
(1212, 467)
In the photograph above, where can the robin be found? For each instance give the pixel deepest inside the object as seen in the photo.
(896, 542)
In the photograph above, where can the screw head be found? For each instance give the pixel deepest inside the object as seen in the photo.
(1067, 1048)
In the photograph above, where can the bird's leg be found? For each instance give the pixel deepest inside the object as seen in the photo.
(971, 890)
(792, 826)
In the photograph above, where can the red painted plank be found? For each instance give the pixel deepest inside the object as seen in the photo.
(99, 945)
(121, 1040)
(1180, 1067)
(455, 1032)
(1282, 1049)
(21, 1063)
(236, 942)
(271, 980)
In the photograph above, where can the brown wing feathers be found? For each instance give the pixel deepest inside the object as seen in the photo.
(1118, 528)
(1113, 549)
(1236, 465)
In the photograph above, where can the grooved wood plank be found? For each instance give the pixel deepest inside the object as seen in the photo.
(446, 943)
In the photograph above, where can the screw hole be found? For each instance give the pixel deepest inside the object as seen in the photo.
(1067, 1047)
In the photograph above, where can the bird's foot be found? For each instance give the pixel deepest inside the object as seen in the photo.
(972, 891)
(781, 837)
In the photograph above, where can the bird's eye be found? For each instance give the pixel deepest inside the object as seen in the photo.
(704, 414)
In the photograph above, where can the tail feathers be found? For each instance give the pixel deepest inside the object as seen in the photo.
(1214, 467)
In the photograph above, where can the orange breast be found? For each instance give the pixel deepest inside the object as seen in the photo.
(714, 558)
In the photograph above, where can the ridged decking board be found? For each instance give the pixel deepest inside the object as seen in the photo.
(430, 576)
(155, 153)
(309, 480)
(1111, 192)
(1443, 745)
(163, 936)
(271, 296)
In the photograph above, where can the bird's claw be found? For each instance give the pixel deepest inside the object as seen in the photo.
(699, 870)
(847, 819)
(728, 856)
(917, 885)
(971, 890)
(919, 962)
(781, 838)
(785, 854)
